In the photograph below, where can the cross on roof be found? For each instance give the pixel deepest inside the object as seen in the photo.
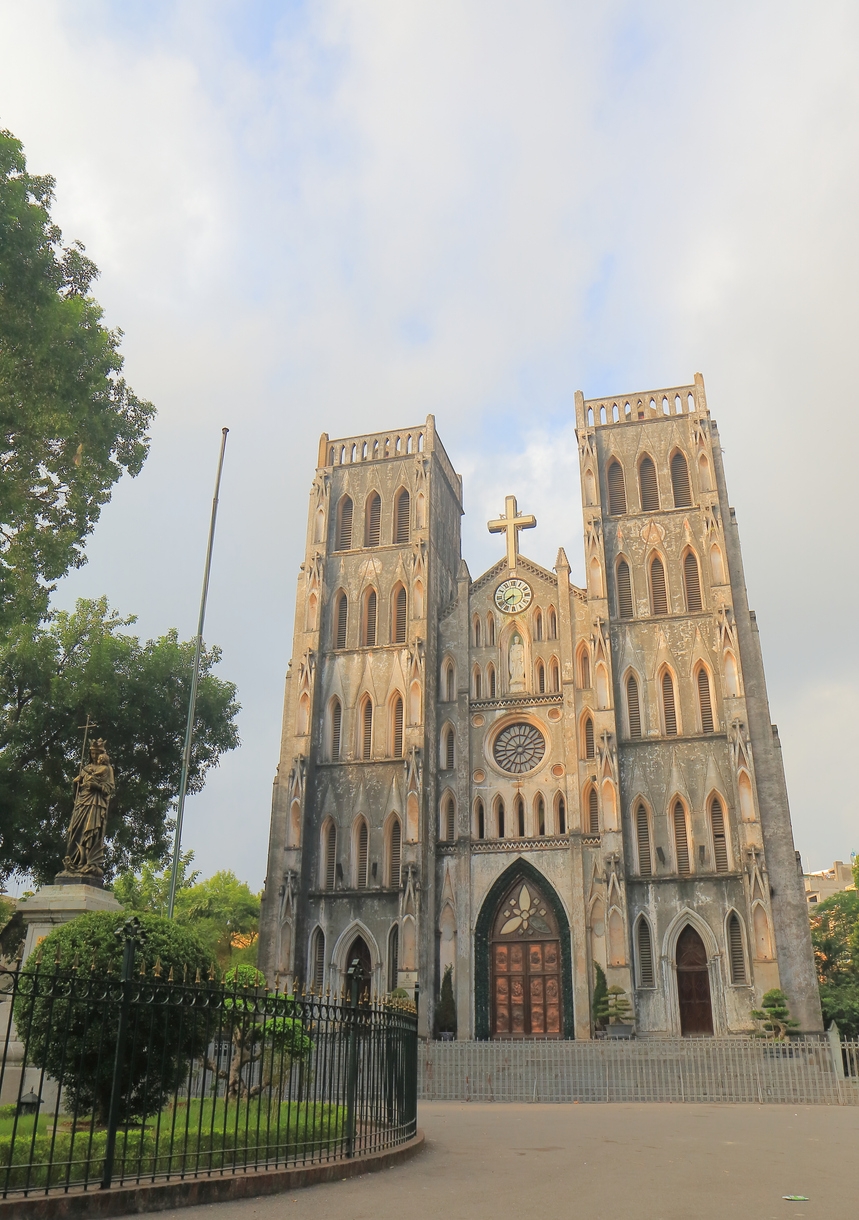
(511, 523)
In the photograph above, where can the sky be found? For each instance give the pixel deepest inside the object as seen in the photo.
(342, 216)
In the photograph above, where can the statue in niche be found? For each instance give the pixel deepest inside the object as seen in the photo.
(94, 787)
(516, 663)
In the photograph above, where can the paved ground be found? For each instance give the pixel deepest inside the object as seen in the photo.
(652, 1162)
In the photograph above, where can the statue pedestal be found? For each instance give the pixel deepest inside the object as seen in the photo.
(57, 904)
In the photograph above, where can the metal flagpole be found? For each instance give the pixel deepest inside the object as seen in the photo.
(195, 678)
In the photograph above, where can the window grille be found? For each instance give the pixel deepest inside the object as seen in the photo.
(633, 706)
(681, 840)
(668, 708)
(624, 590)
(401, 519)
(644, 946)
(704, 701)
(593, 812)
(449, 744)
(450, 820)
(658, 588)
(680, 481)
(373, 525)
(616, 489)
(735, 947)
(362, 845)
(648, 486)
(318, 960)
(336, 724)
(367, 730)
(589, 738)
(399, 615)
(341, 621)
(393, 958)
(330, 856)
(370, 619)
(397, 743)
(692, 581)
(394, 854)
(541, 678)
(344, 524)
(720, 839)
(642, 833)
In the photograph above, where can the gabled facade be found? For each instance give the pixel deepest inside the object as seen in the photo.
(521, 780)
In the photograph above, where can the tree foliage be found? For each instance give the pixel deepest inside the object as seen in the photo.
(265, 1028)
(69, 424)
(51, 676)
(835, 937)
(445, 1011)
(773, 1016)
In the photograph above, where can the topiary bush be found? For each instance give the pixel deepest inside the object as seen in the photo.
(68, 1012)
(445, 1012)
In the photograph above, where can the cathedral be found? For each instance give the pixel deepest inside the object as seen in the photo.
(525, 782)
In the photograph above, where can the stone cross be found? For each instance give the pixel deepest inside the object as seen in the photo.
(511, 523)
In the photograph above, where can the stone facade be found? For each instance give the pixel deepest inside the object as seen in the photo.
(522, 780)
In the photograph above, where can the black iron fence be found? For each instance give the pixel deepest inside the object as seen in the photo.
(110, 1080)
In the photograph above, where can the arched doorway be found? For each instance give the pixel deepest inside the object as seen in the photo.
(359, 949)
(693, 985)
(525, 947)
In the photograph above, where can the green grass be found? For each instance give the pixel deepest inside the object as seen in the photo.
(196, 1136)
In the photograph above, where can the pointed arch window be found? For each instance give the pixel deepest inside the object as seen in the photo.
(736, 950)
(705, 702)
(491, 681)
(680, 481)
(520, 817)
(540, 815)
(341, 619)
(658, 587)
(538, 624)
(584, 668)
(397, 727)
(450, 819)
(642, 836)
(593, 811)
(344, 523)
(644, 954)
(336, 727)
(475, 626)
(616, 489)
(551, 624)
(366, 742)
(669, 708)
(448, 683)
(692, 583)
(476, 683)
(393, 957)
(588, 735)
(624, 590)
(633, 706)
(561, 812)
(540, 673)
(395, 847)
(490, 629)
(499, 818)
(681, 840)
(480, 818)
(369, 617)
(362, 843)
(373, 519)
(555, 676)
(398, 615)
(648, 485)
(449, 748)
(401, 517)
(720, 838)
(329, 857)
(317, 958)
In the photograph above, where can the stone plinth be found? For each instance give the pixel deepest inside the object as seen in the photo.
(57, 904)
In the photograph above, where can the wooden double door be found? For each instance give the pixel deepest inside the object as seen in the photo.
(526, 967)
(693, 985)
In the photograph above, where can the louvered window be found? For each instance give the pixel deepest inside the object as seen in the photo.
(624, 590)
(491, 680)
(692, 581)
(658, 589)
(450, 820)
(394, 856)
(397, 727)
(448, 684)
(584, 670)
(681, 840)
(361, 861)
(704, 701)
(668, 709)
(341, 618)
(393, 958)
(633, 706)
(593, 812)
(367, 730)
(318, 960)
(589, 738)
(370, 614)
(680, 481)
(481, 821)
(336, 725)
(648, 486)
(616, 489)
(399, 623)
(720, 839)
(541, 678)
(642, 834)
(344, 524)
(401, 518)
(330, 856)
(644, 946)
(562, 816)
(373, 523)
(449, 744)
(520, 817)
(735, 947)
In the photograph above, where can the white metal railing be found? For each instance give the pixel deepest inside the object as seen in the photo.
(671, 1069)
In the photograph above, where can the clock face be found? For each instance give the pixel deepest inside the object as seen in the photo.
(512, 596)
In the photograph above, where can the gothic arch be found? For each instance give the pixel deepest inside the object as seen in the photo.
(393, 832)
(339, 964)
(763, 933)
(645, 967)
(685, 917)
(738, 949)
(632, 689)
(681, 485)
(448, 680)
(360, 878)
(525, 871)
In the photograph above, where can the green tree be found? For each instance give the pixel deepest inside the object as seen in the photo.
(773, 1016)
(82, 662)
(69, 424)
(265, 1028)
(835, 937)
(445, 1011)
(600, 1000)
(69, 1027)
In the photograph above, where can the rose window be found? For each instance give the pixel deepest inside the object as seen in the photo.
(519, 748)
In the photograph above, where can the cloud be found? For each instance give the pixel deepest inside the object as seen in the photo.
(345, 215)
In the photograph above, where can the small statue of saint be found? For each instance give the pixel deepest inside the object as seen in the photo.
(516, 663)
(94, 787)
